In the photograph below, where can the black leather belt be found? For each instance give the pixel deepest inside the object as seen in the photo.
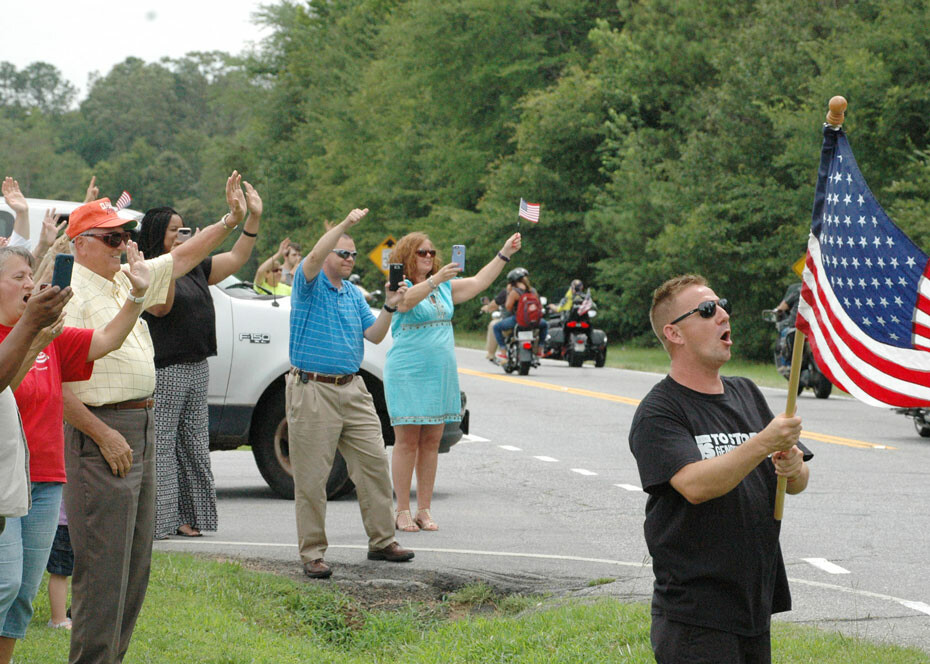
(136, 404)
(307, 376)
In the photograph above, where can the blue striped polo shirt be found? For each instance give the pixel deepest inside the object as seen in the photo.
(327, 325)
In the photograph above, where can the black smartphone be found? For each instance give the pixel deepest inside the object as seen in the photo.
(61, 276)
(395, 275)
(458, 255)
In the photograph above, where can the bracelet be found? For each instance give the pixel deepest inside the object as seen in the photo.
(247, 234)
(432, 284)
(133, 298)
(388, 309)
(223, 221)
(504, 258)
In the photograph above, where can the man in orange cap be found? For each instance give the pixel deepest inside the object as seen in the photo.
(109, 431)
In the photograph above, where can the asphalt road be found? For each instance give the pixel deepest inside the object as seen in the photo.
(545, 495)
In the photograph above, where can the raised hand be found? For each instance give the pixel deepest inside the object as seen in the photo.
(13, 196)
(48, 334)
(392, 298)
(446, 272)
(50, 226)
(282, 247)
(252, 200)
(136, 269)
(45, 306)
(354, 217)
(235, 199)
(93, 192)
(512, 245)
(4, 241)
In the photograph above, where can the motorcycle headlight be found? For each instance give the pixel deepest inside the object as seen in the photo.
(592, 313)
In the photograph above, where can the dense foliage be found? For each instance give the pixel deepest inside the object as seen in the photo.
(659, 136)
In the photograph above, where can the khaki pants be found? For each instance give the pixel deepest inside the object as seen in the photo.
(322, 418)
(111, 520)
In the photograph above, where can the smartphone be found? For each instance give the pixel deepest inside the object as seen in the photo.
(184, 234)
(458, 256)
(395, 275)
(61, 276)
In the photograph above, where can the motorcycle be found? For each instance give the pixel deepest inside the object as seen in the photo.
(811, 375)
(921, 418)
(572, 336)
(522, 346)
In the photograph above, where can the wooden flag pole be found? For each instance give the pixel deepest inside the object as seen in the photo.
(794, 378)
(835, 117)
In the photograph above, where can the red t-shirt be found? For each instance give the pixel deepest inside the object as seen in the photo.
(40, 404)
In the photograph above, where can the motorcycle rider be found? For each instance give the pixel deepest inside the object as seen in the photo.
(519, 281)
(786, 312)
(489, 307)
(356, 281)
(576, 288)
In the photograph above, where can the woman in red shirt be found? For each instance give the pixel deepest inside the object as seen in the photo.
(59, 354)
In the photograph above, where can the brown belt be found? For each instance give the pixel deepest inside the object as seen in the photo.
(138, 404)
(306, 376)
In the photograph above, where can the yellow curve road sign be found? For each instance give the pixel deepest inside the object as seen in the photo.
(380, 255)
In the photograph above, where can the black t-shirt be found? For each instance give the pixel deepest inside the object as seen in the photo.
(188, 332)
(717, 564)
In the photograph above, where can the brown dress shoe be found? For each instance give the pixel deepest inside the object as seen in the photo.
(317, 569)
(391, 553)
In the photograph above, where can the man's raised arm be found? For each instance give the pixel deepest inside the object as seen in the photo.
(313, 263)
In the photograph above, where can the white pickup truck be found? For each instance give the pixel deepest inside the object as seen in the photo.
(246, 390)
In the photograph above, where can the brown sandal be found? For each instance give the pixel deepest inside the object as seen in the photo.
(425, 520)
(403, 521)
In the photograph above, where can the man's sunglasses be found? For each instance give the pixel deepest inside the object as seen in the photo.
(345, 254)
(423, 253)
(113, 240)
(706, 309)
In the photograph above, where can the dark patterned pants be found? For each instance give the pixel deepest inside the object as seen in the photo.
(182, 444)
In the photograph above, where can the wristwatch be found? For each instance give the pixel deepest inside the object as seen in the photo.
(388, 309)
(133, 298)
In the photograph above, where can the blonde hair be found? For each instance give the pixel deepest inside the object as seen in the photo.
(405, 251)
(663, 297)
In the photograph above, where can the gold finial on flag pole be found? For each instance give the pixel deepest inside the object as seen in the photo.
(837, 112)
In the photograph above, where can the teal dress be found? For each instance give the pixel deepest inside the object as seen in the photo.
(421, 380)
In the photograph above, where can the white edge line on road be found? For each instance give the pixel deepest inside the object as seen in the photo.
(826, 565)
(546, 459)
(471, 438)
(510, 448)
(916, 606)
(629, 487)
(582, 471)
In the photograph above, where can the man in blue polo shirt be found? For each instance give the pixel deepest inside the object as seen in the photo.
(328, 407)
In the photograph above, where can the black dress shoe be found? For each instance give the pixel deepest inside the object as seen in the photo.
(317, 569)
(391, 553)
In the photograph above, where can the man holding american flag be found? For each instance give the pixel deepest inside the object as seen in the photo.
(708, 451)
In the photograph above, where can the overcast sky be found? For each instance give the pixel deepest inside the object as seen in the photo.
(79, 37)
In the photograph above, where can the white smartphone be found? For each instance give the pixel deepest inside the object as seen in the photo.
(458, 256)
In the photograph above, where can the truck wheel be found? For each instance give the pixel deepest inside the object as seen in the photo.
(271, 449)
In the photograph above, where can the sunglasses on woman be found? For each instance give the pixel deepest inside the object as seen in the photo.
(706, 308)
(113, 239)
(423, 253)
(345, 254)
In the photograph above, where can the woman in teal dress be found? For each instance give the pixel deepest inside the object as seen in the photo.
(420, 374)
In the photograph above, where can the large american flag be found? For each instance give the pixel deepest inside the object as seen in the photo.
(529, 211)
(865, 302)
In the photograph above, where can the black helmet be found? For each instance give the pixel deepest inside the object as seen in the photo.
(354, 279)
(517, 274)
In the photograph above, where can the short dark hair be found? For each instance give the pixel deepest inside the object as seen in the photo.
(664, 294)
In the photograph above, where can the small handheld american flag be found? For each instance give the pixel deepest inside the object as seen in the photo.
(123, 201)
(529, 211)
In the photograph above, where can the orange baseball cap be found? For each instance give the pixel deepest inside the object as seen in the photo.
(96, 214)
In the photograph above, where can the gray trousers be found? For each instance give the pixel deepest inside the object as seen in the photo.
(111, 520)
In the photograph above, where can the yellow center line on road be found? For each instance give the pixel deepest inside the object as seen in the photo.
(605, 396)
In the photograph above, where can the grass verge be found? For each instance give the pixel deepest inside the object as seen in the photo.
(201, 611)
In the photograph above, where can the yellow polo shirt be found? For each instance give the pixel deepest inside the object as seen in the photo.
(128, 373)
